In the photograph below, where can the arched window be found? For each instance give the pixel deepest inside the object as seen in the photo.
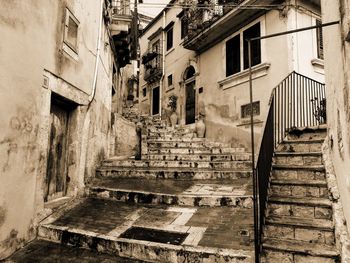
(189, 73)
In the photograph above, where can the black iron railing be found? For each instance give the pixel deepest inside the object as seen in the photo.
(297, 101)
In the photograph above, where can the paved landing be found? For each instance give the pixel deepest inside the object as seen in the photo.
(221, 187)
(48, 252)
(220, 227)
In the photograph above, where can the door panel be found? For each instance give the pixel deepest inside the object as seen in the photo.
(57, 158)
(155, 101)
(190, 103)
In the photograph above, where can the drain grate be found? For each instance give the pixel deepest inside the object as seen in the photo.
(154, 235)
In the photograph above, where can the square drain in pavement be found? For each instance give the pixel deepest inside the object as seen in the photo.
(154, 235)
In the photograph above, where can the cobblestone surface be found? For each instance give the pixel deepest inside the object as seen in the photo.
(48, 252)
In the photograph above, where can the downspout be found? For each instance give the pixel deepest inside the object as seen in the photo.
(163, 68)
(98, 49)
(86, 124)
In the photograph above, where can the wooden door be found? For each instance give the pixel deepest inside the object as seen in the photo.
(57, 159)
(155, 101)
(190, 102)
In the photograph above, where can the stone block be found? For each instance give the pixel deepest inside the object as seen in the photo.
(278, 257)
(279, 232)
(323, 213)
(279, 210)
(303, 211)
(281, 190)
(312, 259)
(310, 235)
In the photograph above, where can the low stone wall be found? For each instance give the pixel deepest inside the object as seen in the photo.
(126, 141)
(342, 235)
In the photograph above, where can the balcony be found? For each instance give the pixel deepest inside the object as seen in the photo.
(208, 26)
(152, 62)
(120, 16)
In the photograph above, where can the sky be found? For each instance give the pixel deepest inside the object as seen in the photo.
(152, 7)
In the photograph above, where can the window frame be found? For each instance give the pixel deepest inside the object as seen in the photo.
(240, 33)
(69, 16)
(184, 25)
(168, 47)
(170, 77)
(319, 40)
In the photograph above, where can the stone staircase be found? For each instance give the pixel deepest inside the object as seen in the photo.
(299, 222)
(186, 200)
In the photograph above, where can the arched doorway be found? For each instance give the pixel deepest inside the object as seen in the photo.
(190, 92)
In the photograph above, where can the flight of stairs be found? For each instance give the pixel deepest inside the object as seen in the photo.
(299, 222)
(183, 187)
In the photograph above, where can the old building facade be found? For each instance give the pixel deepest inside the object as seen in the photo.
(60, 70)
(337, 48)
(200, 55)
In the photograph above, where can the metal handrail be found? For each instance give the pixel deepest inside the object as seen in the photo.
(297, 101)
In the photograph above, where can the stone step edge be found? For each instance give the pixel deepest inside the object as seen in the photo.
(157, 252)
(320, 224)
(300, 247)
(284, 153)
(305, 141)
(146, 197)
(170, 169)
(318, 168)
(310, 183)
(305, 201)
(180, 162)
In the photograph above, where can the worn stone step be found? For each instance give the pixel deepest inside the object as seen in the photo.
(173, 173)
(284, 172)
(297, 252)
(153, 233)
(308, 133)
(46, 251)
(304, 207)
(210, 193)
(298, 188)
(300, 145)
(308, 230)
(177, 164)
(296, 158)
(201, 157)
(202, 150)
(184, 144)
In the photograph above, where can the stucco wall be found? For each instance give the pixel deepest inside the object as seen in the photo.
(337, 66)
(31, 50)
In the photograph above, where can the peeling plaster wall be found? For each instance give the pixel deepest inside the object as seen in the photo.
(337, 66)
(31, 48)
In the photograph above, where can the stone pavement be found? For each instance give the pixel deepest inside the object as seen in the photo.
(187, 200)
(225, 230)
(48, 252)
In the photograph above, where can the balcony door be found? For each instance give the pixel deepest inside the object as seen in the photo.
(155, 101)
(190, 92)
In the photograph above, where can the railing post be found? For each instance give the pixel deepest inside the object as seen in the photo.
(255, 181)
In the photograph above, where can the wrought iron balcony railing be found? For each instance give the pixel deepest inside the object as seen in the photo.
(202, 13)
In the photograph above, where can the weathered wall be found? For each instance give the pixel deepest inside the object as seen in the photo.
(337, 67)
(222, 96)
(126, 140)
(31, 50)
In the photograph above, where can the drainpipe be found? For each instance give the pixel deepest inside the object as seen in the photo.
(163, 68)
(98, 49)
